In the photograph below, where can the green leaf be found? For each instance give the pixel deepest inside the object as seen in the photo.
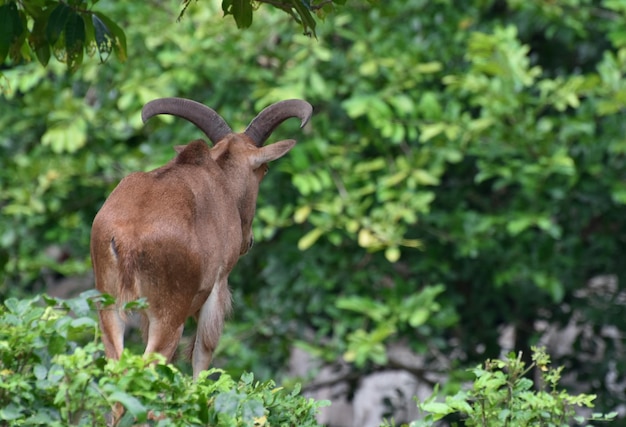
(364, 346)
(74, 36)
(10, 28)
(57, 22)
(429, 131)
(83, 322)
(38, 41)
(429, 67)
(127, 420)
(310, 238)
(437, 408)
(306, 19)
(519, 224)
(103, 37)
(419, 317)
(610, 415)
(131, 403)
(40, 371)
(302, 213)
(56, 344)
(138, 304)
(226, 6)
(11, 412)
(80, 306)
(118, 38)
(12, 304)
(358, 105)
(251, 409)
(228, 402)
(247, 378)
(242, 12)
(373, 309)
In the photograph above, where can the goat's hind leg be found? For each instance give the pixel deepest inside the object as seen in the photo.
(112, 326)
(163, 337)
(210, 325)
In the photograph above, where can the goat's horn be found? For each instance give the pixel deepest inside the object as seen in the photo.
(267, 120)
(205, 118)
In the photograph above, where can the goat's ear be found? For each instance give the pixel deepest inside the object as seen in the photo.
(218, 150)
(179, 148)
(271, 152)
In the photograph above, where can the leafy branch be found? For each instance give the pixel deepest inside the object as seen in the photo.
(502, 394)
(69, 30)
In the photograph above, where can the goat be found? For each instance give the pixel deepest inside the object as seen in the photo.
(173, 235)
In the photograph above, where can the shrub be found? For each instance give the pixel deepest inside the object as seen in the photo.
(53, 372)
(503, 395)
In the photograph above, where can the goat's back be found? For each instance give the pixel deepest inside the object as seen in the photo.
(162, 231)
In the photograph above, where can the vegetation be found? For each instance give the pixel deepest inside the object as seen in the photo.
(503, 395)
(54, 374)
(464, 172)
(39, 29)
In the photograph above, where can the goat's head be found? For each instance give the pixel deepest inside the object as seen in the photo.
(242, 156)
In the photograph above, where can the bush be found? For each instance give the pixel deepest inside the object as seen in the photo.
(53, 372)
(502, 394)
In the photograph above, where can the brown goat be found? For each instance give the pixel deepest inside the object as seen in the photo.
(173, 235)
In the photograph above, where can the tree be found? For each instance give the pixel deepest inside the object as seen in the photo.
(69, 30)
(463, 173)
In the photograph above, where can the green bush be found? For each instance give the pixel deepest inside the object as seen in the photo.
(503, 395)
(53, 373)
(489, 132)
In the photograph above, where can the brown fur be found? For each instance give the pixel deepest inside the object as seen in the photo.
(173, 235)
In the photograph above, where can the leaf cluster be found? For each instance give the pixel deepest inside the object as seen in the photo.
(53, 373)
(65, 30)
(475, 145)
(70, 30)
(502, 394)
(384, 319)
(303, 12)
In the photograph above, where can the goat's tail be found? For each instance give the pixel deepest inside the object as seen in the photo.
(211, 319)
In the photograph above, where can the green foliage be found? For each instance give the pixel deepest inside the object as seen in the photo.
(68, 30)
(53, 373)
(410, 313)
(303, 12)
(65, 30)
(476, 146)
(502, 394)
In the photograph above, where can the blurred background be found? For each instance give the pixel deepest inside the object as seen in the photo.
(459, 193)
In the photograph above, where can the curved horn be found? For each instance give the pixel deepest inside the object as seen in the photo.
(205, 118)
(267, 120)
